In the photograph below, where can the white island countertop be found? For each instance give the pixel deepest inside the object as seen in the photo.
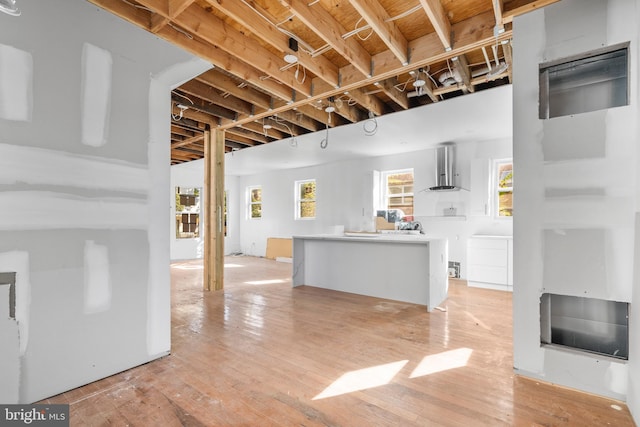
(402, 267)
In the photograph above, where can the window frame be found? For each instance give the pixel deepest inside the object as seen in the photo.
(251, 203)
(190, 211)
(386, 195)
(496, 190)
(298, 200)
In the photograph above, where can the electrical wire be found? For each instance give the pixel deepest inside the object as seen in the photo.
(325, 141)
(370, 131)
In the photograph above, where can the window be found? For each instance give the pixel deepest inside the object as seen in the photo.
(255, 202)
(589, 82)
(306, 199)
(503, 174)
(187, 213)
(397, 188)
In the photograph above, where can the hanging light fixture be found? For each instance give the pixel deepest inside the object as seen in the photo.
(9, 7)
(419, 81)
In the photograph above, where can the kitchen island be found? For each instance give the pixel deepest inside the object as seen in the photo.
(409, 268)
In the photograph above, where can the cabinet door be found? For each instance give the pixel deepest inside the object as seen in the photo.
(479, 197)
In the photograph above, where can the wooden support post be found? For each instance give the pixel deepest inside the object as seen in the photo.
(214, 209)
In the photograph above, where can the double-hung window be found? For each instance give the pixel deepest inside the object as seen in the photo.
(305, 199)
(503, 188)
(397, 190)
(254, 195)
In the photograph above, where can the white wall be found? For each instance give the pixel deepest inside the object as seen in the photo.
(343, 196)
(84, 171)
(576, 192)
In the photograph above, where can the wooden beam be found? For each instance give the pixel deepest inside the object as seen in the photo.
(330, 30)
(253, 19)
(214, 210)
(461, 64)
(300, 119)
(242, 140)
(368, 102)
(188, 141)
(439, 20)
(228, 85)
(208, 93)
(205, 107)
(508, 59)
(388, 86)
(258, 137)
(215, 31)
(520, 7)
(380, 21)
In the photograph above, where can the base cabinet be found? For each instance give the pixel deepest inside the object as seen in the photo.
(490, 261)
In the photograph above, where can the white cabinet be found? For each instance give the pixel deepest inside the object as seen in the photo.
(479, 197)
(490, 261)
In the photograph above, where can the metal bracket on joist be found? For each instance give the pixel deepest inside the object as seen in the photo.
(293, 96)
(253, 110)
(371, 69)
(339, 80)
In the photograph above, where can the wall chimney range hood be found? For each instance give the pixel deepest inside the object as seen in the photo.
(445, 173)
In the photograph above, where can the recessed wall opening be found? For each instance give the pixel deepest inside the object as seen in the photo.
(585, 324)
(593, 81)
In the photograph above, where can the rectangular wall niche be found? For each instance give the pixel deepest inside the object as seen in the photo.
(585, 324)
(593, 81)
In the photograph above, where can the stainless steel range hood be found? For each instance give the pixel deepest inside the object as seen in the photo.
(445, 173)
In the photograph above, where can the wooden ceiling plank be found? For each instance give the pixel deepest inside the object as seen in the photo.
(176, 7)
(517, 8)
(207, 26)
(268, 32)
(469, 35)
(227, 84)
(188, 141)
(300, 119)
(215, 31)
(206, 92)
(317, 114)
(326, 27)
(461, 64)
(226, 61)
(239, 139)
(380, 21)
(259, 128)
(389, 87)
(204, 107)
(258, 137)
(178, 130)
(368, 102)
(439, 20)
(349, 112)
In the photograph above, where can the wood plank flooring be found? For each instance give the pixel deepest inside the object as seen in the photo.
(261, 353)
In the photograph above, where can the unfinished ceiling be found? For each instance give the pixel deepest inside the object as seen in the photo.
(283, 68)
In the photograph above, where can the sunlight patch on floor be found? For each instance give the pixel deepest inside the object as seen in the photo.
(233, 265)
(187, 266)
(362, 379)
(265, 282)
(442, 362)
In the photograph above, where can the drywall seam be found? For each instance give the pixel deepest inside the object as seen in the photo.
(39, 210)
(97, 67)
(31, 165)
(97, 282)
(18, 262)
(16, 84)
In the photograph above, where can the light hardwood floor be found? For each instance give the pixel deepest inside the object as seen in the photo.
(261, 353)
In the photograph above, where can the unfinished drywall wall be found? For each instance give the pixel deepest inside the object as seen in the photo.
(574, 232)
(84, 167)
